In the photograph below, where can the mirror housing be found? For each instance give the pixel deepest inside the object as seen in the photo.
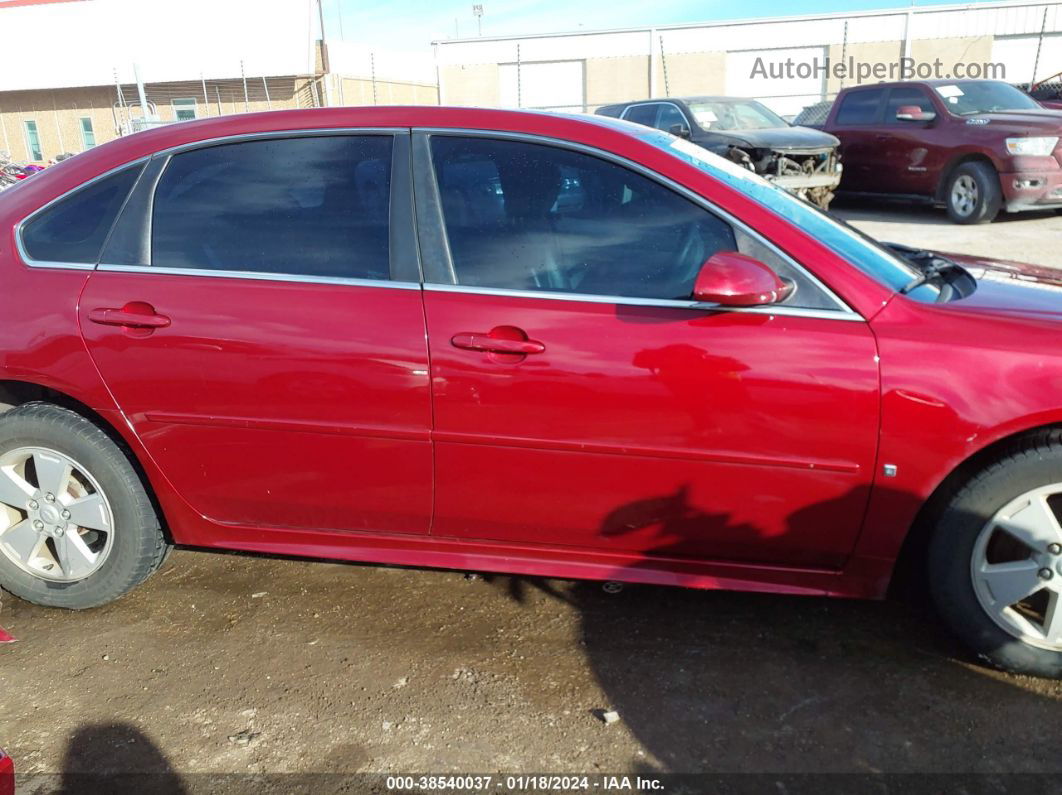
(681, 130)
(914, 113)
(728, 278)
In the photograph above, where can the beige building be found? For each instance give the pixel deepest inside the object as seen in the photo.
(212, 59)
(582, 71)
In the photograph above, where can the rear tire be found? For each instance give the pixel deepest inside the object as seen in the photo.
(992, 545)
(972, 194)
(77, 528)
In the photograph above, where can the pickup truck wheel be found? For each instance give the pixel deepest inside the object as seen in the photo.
(77, 528)
(995, 560)
(972, 194)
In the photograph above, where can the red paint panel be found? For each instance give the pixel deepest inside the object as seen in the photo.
(274, 403)
(672, 432)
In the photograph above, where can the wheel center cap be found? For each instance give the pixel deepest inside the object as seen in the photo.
(50, 514)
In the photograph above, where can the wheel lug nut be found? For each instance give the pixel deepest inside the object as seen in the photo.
(38, 525)
(1055, 549)
(59, 531)
(1045, 574)
(49, 497)
(66, 514)
(33, 505)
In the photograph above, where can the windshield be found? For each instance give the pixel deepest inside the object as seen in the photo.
(728, 115)
(965, 99)
(861, 250)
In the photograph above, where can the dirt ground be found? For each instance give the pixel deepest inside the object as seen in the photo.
(244, 664)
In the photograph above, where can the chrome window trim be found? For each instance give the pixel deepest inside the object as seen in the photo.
(843, 309)
(619, 300)
(292, 278)
(72, 266)
(260, 276)
(223, 139)
(298, 133)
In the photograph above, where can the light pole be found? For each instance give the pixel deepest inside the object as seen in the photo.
(477, 12)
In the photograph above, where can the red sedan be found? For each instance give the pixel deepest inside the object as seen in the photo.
(518, 342)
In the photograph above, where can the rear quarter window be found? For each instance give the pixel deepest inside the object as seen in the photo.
(74, 229)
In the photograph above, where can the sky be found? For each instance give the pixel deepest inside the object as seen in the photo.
(414, 24)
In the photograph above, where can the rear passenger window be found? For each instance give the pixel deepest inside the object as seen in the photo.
(73, 229)
(313, 206)
(860, 107)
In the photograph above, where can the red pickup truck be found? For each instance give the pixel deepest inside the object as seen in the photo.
(975, 146)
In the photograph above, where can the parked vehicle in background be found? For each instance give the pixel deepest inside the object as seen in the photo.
(530, 343)
(7, 774)
(10, 173)
(799, 159)
(1048, 92)
(975, 146)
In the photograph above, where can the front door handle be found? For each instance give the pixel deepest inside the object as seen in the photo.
(504, 339)
(135, 314)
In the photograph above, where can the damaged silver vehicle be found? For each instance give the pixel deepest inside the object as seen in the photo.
(800, 159)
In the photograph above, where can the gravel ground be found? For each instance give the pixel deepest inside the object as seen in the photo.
(1025, 237)
(238, 664)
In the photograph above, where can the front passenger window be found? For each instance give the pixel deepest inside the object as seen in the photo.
(533, 217)
(669, 117)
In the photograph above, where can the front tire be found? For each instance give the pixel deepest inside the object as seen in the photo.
(972, 194)
(995, 560)
(77, 528)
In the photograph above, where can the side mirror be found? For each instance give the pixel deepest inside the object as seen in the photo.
(681, 130)
(914, 113)
(728, 278)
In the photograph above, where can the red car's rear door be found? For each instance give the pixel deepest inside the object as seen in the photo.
(257, 315)
(580, 401)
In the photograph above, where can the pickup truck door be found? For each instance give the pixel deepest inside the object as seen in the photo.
(915, 150)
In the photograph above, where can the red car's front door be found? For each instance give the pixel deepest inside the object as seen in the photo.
(580, 402)
(261, 339)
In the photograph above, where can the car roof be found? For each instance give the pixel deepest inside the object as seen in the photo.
(699, 98)
(592, 130)
(930, 83)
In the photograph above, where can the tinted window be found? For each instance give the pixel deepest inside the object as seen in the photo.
(315, 206)
(642, 114)
(860, 107)
(533, 217)
(73, 229)
(907, 95)
(670, 116)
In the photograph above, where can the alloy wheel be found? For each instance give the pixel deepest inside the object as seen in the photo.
(1017, 567)
(964, 194)
(55, 521)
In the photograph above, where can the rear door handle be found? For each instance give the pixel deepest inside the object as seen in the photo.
(135, 314)
(473, 341)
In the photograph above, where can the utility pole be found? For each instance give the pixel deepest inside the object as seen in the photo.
(477, 12)
(326, 67)
(140, 92)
